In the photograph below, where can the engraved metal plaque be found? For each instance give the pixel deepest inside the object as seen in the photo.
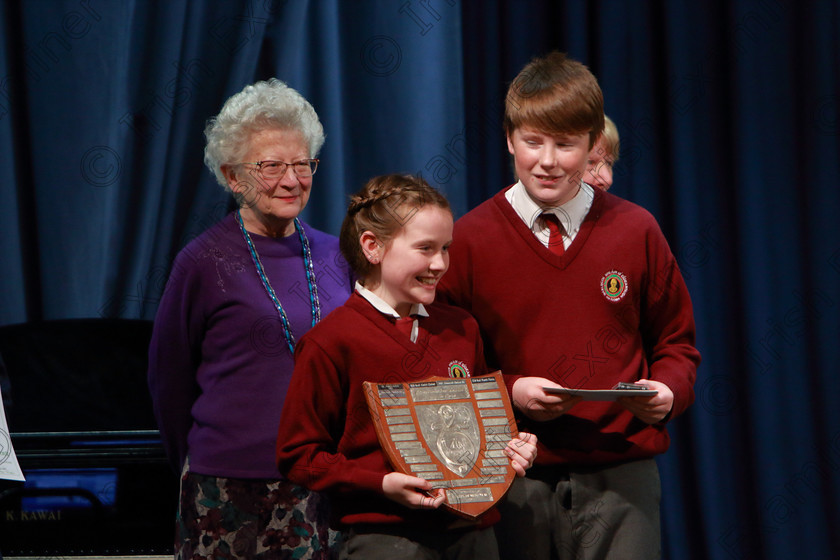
(451, 432)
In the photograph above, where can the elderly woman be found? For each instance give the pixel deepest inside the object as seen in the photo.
(238, 297)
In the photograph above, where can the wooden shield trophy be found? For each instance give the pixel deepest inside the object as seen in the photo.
(451, 432)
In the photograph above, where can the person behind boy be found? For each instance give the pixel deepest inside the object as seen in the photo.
(574, 287)
(602, 157)
(396, 237)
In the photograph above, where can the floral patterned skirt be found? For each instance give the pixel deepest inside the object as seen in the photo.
(221, 518)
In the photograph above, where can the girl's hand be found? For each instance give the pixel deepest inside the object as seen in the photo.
(522, 451)
(412, 492)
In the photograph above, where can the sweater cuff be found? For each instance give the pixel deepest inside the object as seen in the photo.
(683, 393)
(371, 481)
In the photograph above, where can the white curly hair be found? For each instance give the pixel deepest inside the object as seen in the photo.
(264, 105)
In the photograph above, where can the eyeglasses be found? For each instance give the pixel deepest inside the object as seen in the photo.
(270, 169)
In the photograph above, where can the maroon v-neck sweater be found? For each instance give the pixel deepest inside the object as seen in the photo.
(327, 440)
(613, 308)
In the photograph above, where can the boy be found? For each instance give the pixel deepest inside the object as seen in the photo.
(573, 287)
(602, 157)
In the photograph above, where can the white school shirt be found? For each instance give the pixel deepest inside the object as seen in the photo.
(571, 214)
(417, 309)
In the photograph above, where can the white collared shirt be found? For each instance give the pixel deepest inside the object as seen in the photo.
(571, 214)
(417, 309)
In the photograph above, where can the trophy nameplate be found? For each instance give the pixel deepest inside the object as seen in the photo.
(451, 432)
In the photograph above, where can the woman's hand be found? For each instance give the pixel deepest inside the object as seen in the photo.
(530, 398)
(522, 451)
(412, 492)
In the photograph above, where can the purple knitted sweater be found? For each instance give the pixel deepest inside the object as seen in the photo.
(219, 366)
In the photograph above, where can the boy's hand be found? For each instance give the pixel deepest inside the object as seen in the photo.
(528, 396)
(650, 410)
(522, 451)
(407, 490)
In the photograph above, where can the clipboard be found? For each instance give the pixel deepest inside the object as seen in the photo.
(619, 390)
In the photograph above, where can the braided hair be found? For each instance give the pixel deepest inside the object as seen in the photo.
(383, 206)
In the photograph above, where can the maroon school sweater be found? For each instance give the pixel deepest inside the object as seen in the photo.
(327, 440)
(613, 308)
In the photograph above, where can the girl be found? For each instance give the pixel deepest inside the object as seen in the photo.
(396, 237)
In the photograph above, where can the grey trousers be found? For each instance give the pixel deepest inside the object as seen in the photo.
(393, 543)
(604, 513)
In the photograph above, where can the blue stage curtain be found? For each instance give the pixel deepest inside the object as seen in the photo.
(728, 115)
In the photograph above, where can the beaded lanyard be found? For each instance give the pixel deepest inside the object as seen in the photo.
(314, 302)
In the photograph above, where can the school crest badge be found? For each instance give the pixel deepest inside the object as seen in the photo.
(614, 285)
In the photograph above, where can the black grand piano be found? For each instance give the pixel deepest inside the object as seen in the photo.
(80, 420)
